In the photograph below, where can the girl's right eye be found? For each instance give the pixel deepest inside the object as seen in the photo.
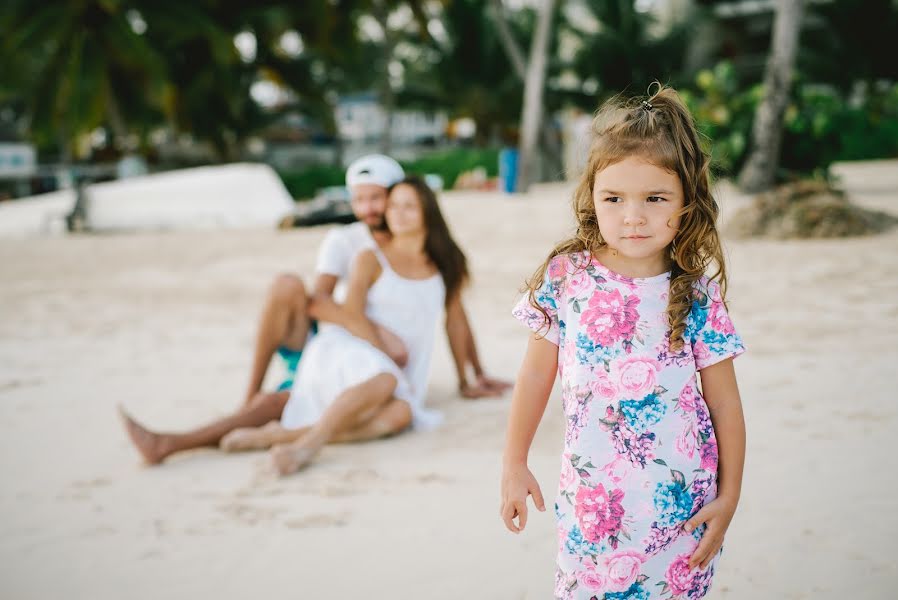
(613, 199)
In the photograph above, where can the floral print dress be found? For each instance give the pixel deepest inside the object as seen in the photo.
(640, 452)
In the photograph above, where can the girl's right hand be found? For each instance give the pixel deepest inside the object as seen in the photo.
(518, 483)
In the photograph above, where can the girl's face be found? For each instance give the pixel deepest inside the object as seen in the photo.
(404, 213)
(637, 204)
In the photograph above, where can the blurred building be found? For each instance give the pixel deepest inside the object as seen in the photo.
(362, 119)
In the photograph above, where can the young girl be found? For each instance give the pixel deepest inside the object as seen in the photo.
(624, 313)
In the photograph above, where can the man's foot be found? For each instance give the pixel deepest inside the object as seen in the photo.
(250, 438)
(151, 445)
(290, 458)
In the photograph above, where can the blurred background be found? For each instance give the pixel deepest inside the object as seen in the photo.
(155, 118)
(103, 89)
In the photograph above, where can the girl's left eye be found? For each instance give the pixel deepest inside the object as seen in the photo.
(656, 199)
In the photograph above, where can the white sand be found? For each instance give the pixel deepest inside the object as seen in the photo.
(164, 322)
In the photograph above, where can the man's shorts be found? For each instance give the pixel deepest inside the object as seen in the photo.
(291, 360)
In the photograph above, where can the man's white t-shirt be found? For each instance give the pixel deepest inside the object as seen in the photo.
(339, 249)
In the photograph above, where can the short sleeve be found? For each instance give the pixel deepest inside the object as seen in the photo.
(547, 296)
(711, 331)
(334, 256)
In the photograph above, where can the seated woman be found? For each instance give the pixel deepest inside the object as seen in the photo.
(347, 388)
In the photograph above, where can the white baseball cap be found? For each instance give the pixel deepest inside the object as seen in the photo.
(374, 168)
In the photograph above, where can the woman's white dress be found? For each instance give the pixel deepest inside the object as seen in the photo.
(334, 360)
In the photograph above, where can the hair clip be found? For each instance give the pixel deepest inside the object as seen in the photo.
(647, 106)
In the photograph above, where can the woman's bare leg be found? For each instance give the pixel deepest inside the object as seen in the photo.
(393, 417)
(155, 447)
(260, 438)
(352, 409)
(284, 322)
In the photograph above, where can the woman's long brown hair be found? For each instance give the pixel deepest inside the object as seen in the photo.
(439, 244)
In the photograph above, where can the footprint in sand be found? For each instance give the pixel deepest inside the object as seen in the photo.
(431, 478)
(361, 475)
(250, 514)
(321, 520)
(80, 489)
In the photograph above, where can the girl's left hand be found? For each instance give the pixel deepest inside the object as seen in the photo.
(717, 515)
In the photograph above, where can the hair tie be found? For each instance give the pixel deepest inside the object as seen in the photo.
(647, 106)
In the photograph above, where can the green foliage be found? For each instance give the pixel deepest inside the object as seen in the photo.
(724, 114)
(625, 54)
(303, 184)
(469, 73)
(452, 163)
(820, 125)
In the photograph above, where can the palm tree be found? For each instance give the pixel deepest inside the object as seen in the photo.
(88, 66)
(759, 172)
(466, 71)
(534, 85)
(624, 53)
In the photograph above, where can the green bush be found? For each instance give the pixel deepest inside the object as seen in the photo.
(820, 126)
(723, 114)
(302, 185)
(448, 164)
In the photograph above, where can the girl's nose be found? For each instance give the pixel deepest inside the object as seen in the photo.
(634, 216)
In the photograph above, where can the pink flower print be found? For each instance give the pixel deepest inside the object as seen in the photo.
(720, 320)
(557, 267)
(709, 455)
(611, 317)
(569, 475)
(617, 470)
(679, 578)
(687, 399)
(579, 283)
(701, 353)
(567, 356)
(636, 375)
(590, 578)
(623, 568)
(598, 512)
(601, 385)
(687, 442)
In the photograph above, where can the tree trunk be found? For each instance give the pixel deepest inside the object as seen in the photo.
(333, 124)
(512, 50)
(550, 146)
(533, 96)
(759, 173)
(387, 96)
(388, 100)
(116, 122)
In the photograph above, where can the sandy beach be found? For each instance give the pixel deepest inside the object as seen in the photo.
(163, 324)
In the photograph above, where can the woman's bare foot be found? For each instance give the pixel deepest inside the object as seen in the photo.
(250, 438)
(290, 458)
(152, 446)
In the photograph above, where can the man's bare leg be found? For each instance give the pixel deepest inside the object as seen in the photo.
(351, 409)
(284, 322)
(156, 447)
